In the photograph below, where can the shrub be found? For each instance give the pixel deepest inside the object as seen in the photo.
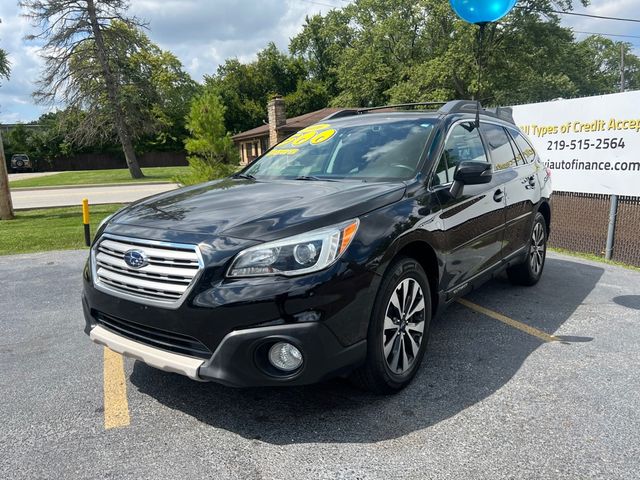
(201, 170)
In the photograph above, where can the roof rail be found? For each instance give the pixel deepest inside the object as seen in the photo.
(471, 106)
(347, 112)
(446, 108)
(459, 106)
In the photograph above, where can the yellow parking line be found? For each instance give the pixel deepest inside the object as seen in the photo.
(116, 405)
(545, 337)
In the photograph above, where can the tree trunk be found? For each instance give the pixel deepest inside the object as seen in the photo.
(118, 112)
(6, 206)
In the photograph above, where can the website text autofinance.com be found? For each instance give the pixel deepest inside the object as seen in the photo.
(599, 165)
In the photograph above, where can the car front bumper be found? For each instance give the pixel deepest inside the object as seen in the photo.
(234, 363)
(324, 315)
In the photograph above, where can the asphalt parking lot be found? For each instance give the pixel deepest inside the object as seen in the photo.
(494, 399)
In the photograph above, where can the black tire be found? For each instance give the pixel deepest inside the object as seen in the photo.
(377, 375)
(528, 272)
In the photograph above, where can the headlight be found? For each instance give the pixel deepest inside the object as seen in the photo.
(309, 252)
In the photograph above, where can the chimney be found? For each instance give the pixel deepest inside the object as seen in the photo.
(277, 118)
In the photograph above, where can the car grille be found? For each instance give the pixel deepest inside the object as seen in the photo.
(173, 342)
(165, 280)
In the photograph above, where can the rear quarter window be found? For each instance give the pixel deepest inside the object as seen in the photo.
(502, 154)
(527, 152)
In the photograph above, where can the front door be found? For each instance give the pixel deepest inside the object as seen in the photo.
(474, 222)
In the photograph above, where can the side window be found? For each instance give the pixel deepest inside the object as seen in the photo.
(527, 151)
(502, 155)
(463, 144)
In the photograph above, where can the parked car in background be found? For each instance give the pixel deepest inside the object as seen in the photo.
(20, 163)
(328, 255)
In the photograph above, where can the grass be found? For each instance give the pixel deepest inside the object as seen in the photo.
(98, 177)
(46, 229)
(49, 229)
(594, 258)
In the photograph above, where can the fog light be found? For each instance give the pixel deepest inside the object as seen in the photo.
(285, 356)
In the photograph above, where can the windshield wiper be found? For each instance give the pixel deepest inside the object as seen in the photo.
(314, 179)
(246, 176)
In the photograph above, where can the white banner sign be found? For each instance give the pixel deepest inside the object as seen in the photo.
(592, 144)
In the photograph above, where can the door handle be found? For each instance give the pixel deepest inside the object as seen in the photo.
(498, 196)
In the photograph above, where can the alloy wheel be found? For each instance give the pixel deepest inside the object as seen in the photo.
(537, 250)
(404, 324)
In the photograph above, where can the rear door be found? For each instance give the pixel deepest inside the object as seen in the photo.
(523, 194)
(474, 222)
(514, 181)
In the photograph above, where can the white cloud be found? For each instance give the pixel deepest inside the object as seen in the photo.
(15, 94)
(203, 33)
(608, 8)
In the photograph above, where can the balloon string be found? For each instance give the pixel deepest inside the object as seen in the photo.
(479, 58)
(480, 66)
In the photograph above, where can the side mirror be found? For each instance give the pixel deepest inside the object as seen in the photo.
(470, 173)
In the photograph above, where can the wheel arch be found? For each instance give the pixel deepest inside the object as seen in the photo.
(545, 210)
(426, 256)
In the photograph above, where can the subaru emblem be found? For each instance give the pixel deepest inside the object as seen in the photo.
(135, 258)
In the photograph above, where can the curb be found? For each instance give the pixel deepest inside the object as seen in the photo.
(50, 207)
(89, 185)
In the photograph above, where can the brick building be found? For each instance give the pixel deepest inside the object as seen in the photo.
(256, 141)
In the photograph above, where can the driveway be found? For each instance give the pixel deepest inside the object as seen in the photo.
(517, 383)
(69, 196)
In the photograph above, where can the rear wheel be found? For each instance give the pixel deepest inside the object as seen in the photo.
(529, 272)
(398, 330)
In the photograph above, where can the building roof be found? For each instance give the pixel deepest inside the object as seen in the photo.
(293, 124)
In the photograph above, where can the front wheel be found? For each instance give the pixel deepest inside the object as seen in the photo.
(528, 273)
(398, 330)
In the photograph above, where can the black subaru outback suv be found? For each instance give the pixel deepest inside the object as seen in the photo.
(328, 255)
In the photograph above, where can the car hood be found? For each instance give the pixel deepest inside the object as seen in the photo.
(258, 210)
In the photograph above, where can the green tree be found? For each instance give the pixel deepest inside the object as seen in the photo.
(321, 43)
(5, 66)
(386, 51)
(211, 150)
(602, 60)
(155, 91)
(309, 95)
(245, 89)
(525, 59)
(46, 139)
(70, 26)
(16, 140)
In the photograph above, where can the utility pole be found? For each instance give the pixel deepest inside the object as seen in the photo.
(6, 206)
(621, 67)
(613, 209)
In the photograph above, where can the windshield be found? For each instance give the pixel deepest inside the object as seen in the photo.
(386, 150)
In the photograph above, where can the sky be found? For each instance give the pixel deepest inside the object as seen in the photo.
(203, 33)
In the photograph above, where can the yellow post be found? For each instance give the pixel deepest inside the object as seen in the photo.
(86, 222)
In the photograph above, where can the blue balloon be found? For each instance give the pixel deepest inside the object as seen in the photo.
(482, 11)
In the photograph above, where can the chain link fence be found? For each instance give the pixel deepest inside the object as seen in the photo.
(579, 222)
